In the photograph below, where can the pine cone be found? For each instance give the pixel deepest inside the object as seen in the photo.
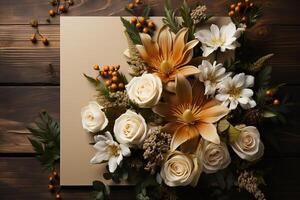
(253, 117)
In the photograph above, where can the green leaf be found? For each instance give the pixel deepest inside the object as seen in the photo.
(123, 78)
(91, 80)
(258, 65)
(269, 114)
(132, 31)
(233, 133)
(146, 11)
(170, 18)
(45, 140)
(264, 77)
(187, 20)
(223, 125)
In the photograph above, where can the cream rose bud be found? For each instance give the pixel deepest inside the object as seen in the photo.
(248, 145)
(214, 156)
(93, 118)
(145, 90)
(180, 169)
(131, 129)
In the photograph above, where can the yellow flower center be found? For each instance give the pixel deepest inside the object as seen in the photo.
(218, 41)
(113, 149)
(165, 67)
(188, 116)
(235, 92)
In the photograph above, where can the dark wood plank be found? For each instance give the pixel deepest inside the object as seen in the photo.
(25, 176)
(19, 106)
(23, 62)
(16, 12)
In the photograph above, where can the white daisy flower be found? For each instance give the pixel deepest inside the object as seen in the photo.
(234, 91)
(224, 38)
(211, 75)
(109, 150)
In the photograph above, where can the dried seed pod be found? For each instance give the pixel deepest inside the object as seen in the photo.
(121, 86)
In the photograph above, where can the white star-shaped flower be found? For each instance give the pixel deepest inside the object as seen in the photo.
(211, 75)
(234, 91)
(109, 150)
(223, 38)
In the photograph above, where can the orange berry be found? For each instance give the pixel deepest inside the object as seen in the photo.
(55, 174)
(145, 30)
(96, 67)
(50, 187)
(142, 19)
(108, 82)
(232, 6)
(105, 68)
(239, 3)
(131, 6)
(62, 8)
(114, 73)
(150, 24)
(52, 12)
(58, 196)
(33, 38)
(138, 1)
(138, 25)
(251, 4)
(111, 68)
(114, 79)
(276, 102)
(110, 73)
(113, 86)
(231, 13)
(121, 86)
(237, 9)
(134, 20)
(45, 41)
(105, 73)
(269, 93)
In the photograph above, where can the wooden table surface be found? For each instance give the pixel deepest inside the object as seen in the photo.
(28, 84)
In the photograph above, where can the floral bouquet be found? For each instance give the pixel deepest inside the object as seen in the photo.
(189, 115)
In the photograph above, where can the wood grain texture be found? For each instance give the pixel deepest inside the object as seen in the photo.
(19, 106)
(15, 12)
(25, 176)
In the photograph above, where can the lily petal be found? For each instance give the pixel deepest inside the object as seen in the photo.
(213, 114)
(165, 42)
(188, 70)
(182, 135)
(209, 132)
(183, 89)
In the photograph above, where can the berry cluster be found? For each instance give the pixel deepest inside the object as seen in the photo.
(34, 37)
(61, 7)
(270, 93)
(54, 186)
(134, 4)
(143, 25)
(240, 10)
(111, 76)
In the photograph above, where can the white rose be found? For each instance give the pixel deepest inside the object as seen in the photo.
(145, 90)
(93, 118)
(180, 169)
(130, 128)
(214, 156)
(248, 145)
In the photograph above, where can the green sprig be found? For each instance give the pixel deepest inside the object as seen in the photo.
(45, 140)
